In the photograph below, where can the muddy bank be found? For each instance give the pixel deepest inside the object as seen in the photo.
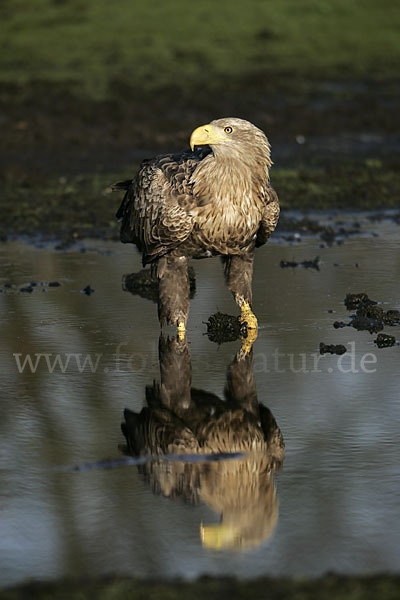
(331, 587)
(70, 208)
(48, 127)
(76, 118)
(333, 144)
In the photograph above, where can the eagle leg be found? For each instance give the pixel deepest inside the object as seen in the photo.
(176, 374)
(173, 292)
(240, 388)
(238, 275)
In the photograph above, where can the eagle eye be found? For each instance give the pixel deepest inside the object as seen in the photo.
(228, 129)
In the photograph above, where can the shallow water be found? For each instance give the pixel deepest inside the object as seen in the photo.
(339, 487)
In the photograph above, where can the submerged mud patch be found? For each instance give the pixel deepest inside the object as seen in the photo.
(368, 316)
(29, 287)
(332, 348)
(307, 264)
(223, 328)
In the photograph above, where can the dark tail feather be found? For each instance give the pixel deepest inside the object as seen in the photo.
(121, 185)
(124, 211)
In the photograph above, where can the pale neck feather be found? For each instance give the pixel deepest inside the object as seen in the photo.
(225, 177)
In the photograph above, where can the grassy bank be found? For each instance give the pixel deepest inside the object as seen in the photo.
(91, 45)
(327, 588)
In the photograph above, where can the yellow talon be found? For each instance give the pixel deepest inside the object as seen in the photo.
(220, 536)
(181, 330)
(248, 341)
(248, 316)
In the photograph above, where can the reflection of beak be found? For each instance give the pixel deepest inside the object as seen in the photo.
(219, 537)
(206, 135)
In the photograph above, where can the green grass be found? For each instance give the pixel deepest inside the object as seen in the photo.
(369, 186)
(331, 587)
(93, 43)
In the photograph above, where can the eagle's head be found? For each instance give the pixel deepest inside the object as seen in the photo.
(231, 137)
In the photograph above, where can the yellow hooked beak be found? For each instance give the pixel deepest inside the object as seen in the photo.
(206, 135)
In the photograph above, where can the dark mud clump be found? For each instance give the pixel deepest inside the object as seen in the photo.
(223, 328)
(329, 234)
(88, 290)
(145, 285)
(381, 216)
(391, 317)
(354, 301)
(385, 340)
(332, 348)
(307, 264)
(368, 316)
(29, 287)
(303, 225)
(340, 324)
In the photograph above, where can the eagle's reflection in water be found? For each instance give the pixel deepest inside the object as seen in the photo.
(179, 419)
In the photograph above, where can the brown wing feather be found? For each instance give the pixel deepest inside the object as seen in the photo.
(155, 211)
(270, 217)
